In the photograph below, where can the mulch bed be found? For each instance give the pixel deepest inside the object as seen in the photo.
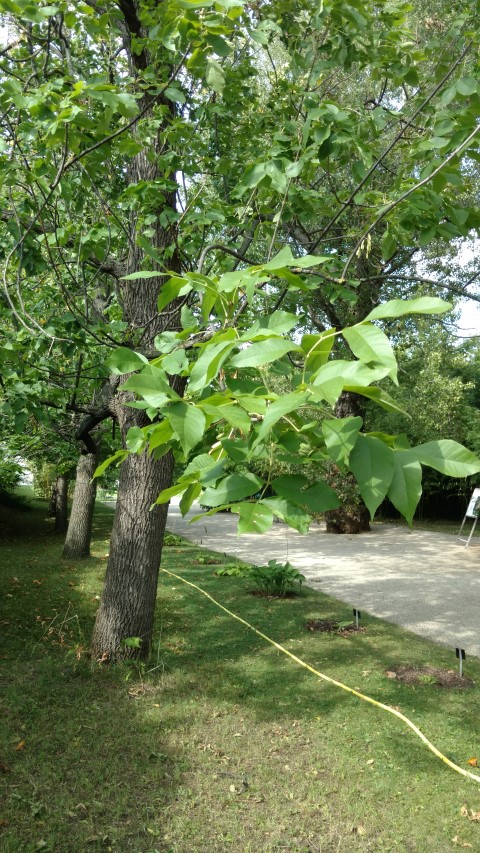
(422, 675)
(329, 626)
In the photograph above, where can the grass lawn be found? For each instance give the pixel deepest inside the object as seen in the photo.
(219, 743)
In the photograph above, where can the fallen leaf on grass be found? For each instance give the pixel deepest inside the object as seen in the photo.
(4, 768)
(20, 746)
(38, 583)
(472, 815)
(473, 762)
(3, 822)
(359, 830)
(456, 840)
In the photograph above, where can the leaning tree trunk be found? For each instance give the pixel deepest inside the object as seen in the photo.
(77, 542)
(61, 522)
(129, 595)
(352, 516)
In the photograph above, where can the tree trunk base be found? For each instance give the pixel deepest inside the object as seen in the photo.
(348, 520)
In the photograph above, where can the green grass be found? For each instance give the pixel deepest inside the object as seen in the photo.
(219, 743)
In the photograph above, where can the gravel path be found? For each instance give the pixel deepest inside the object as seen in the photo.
(426, 582)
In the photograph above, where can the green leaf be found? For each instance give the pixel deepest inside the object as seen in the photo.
(215, 76)
(371, 463)
(467, 86)
(141, 274)
(209, 363)
(233, 488)
(289, 486)
(254, 518)
(124, 360)
(292, 515)
(151, 384)
(400, 307)
(202, 462)
(281, 407)
(371, 345)
(160, 436)
(378, 395)
(189, 496)
(263, 352)
(406, 487)
(317, 348)
(117, 457)
(320, 497)
(166, 494)
(135, 439)
(278, 322)
(132, 642)
(340, 436)
(171, 290)
(188, 423)
(447, 456)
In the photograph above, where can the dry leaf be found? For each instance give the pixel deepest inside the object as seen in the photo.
(370, 761)
(38, 583)
(20, 746)
(473, 762)
(232, 789)
(390, 674)
(4, 768)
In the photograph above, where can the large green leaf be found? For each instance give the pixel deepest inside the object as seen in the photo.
(124, 360)
(289, 486)
(288, 512)
(281, 407)
(188, 422)
(340, 435)
(447, 456)
(263, 352)
(189, 496)
(233, 488)
(254, 517)
(406, 487)
(278, 322)
(209, 363)
(371, 346)
(400, 307)
(378, 395)
(319, 497)
(151, 384)
(371, 462)
(317, 348)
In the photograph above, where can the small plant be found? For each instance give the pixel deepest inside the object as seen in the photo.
(275, 578)
(233, 570)
(171, 540)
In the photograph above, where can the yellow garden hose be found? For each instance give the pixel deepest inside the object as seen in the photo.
(321, 675)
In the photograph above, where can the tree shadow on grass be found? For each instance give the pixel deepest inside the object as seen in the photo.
(234, 664)
(83, 766)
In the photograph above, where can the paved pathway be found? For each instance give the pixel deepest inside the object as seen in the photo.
(426, 582)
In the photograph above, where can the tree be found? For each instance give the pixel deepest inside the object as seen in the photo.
(152, 154)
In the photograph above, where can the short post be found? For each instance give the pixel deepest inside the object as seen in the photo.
(357, 615)
(460, 653)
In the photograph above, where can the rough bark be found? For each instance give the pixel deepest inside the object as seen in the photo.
(77, 542)
(128, 601)
(353, 516)
(61, 520)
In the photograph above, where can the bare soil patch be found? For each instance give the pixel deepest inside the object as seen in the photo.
(329, 626)
(415, 675)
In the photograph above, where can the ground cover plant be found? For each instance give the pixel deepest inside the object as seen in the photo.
(217, 742)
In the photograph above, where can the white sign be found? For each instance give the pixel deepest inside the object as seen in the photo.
(473, 510)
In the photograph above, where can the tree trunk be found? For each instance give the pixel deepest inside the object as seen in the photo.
(61, 522)
(128, 601)
(353, 516)
(77, 542)
(52, 506)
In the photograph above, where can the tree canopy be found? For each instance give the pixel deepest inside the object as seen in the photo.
(199, 192)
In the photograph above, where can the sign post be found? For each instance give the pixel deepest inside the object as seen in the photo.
(472, 512)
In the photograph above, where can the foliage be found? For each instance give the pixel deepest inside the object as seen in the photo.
(10, 474)
(276, 579)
